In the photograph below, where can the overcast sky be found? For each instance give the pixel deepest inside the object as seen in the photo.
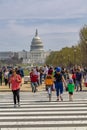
(58, 23)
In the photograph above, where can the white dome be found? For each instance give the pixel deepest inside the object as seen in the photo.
(36, 43)
(37, 38)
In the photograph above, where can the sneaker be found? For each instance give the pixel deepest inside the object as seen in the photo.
(49, 97)
(15, 106)
(57, 100)
(18, 104)
(61, 98)
(70, 100)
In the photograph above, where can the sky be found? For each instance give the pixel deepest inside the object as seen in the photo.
(58, 22)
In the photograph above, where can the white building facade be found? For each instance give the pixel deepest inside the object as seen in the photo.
(36, 55)
(6, 55)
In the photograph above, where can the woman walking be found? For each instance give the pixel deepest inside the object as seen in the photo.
(15, 81)
(59, 79)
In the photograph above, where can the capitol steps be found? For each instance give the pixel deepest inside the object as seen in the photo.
(39, 115)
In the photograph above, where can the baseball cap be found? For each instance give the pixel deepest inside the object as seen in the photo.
(70, 80)
(58, 69)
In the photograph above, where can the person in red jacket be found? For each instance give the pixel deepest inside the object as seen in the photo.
(34, 80)
(15, 81)
(74, 78)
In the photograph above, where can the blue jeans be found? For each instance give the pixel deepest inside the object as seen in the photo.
(78, 84)
(59, 88)
(34, 85)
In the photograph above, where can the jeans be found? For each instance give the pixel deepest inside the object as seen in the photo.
(59, 88)
(78, 84)
(34, 85)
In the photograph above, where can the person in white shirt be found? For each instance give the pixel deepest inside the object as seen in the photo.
(45, 71)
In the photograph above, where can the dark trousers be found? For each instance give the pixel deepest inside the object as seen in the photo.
(0, 80)
(16, 96)
(6, 81)
(41, 79)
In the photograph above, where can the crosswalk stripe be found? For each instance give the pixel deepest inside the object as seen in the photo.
(44, 117)
(48, 128)
(39, 115)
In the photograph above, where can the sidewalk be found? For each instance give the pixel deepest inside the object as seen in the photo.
(27, 88)
(23, 88)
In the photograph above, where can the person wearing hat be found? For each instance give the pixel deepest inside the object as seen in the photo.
(59, 79)
(70, 88)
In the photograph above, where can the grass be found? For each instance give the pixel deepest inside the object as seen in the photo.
(26, 72)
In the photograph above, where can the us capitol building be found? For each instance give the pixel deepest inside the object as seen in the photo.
(36, 54)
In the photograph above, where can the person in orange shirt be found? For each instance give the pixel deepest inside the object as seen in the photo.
(49, 84)
(15, 81)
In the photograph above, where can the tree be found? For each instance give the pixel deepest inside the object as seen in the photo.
(83, 44)
(71, 56)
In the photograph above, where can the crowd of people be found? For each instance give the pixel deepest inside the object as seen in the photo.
(54, 79)
(57, 78)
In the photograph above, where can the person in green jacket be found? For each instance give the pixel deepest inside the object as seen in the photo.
(71, 88)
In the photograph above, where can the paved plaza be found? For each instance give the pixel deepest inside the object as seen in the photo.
(36, 113)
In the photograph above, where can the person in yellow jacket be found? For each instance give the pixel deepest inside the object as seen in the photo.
(49, 84)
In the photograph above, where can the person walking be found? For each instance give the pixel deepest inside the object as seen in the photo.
(34, 80)
(85, 79)
(74, 78)
(71, 88)
(49, 84)
(59, 79)
(15, 81)
(6, 77)
(78, 80)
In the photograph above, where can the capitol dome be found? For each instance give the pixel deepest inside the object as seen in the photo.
(36, 44)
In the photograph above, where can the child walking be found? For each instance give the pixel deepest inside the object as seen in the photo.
(71, 88)
(49, 84)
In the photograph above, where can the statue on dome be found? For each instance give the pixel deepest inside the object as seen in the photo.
(36, 34)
